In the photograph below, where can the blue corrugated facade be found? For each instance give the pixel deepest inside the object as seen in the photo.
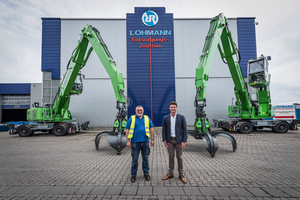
(247, 41)
(15, 88)
(150, 58)
(297, 111)
(51, 30)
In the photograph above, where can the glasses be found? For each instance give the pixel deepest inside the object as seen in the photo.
(139, 110)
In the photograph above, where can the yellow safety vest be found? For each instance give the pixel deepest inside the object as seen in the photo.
(132, 125)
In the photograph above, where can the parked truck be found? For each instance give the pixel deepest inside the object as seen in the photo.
(283, 116)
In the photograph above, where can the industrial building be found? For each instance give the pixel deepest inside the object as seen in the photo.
(157, 57)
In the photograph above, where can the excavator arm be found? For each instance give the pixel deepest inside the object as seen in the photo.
(246, 110)
(71, 84)
(100, 48)
(218, 33)
(89, 35)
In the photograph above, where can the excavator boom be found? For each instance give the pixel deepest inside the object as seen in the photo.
(55, 115)
(219, 33)
(58, 111)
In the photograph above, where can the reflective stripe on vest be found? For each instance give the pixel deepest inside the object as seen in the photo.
(132, 125)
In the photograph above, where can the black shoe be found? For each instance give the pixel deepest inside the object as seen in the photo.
(147, 177)
(133, 178)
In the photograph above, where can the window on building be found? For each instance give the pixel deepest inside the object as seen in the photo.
(16, 100)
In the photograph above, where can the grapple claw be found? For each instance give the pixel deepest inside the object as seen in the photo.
(210, 142)
(115, 140)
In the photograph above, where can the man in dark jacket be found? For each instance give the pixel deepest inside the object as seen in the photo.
(174, 135)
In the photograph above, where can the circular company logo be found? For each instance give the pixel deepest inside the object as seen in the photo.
(150, 18)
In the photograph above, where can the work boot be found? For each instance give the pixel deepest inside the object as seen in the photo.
(133, 178)
(147, 177)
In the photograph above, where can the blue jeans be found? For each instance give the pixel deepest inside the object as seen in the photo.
(136, 147)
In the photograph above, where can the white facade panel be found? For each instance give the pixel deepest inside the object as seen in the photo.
(97, 103)
(189, 39)
(219, 96)
(113, 32)
(35, 93)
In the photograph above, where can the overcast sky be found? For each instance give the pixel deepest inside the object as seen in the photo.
(277, 34)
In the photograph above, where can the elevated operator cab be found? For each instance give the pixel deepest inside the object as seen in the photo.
(78, 85)
(258, 74)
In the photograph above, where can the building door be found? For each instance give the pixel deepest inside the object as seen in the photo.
(9, 115)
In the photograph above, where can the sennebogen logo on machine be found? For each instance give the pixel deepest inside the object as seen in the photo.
(150, 18)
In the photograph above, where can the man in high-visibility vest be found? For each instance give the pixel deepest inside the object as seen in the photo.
(138, 131)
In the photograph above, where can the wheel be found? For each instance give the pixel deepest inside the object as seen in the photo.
(59, 130)
(245, 128)
(281, 127)
(24, 131)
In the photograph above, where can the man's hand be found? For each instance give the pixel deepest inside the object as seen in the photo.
(181, 146)
(128, 144)
(166, 144)
(152, 142)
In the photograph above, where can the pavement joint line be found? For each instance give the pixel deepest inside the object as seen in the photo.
(159, 191)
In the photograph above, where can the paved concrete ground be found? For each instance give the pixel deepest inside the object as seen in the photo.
(265, 166)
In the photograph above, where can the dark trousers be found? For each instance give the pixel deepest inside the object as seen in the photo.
(136, 147)
(174, 146)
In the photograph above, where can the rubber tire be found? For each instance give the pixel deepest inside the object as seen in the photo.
(245, 128)
(281, 127)
(66, 129)
(24, 131)
(59, 130)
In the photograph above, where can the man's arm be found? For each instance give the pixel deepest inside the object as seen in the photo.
(164, 133)
(127, 131)
(152, 136)
(184, 132)
(128, 140)
(184, 128)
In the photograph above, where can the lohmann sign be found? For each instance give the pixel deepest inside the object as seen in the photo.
(150, 61)
(284, 112)
(148, 36)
